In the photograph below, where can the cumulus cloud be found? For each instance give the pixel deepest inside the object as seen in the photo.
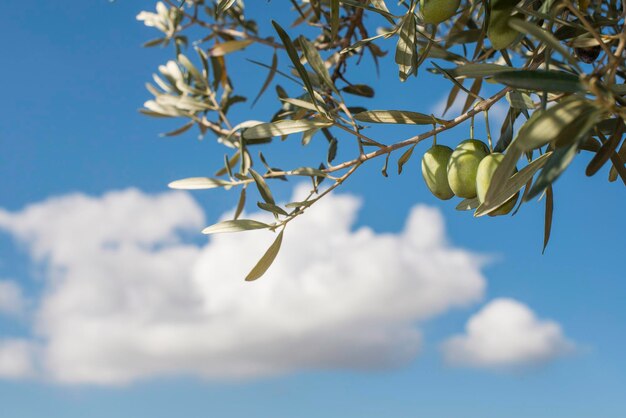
(128, 298)
(11, 298)
(504, 334)
(16, 359)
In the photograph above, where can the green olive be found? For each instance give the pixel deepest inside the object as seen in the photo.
(486, 168)
(463, 166)
(434, 165)
(500, 34)
(437, 11)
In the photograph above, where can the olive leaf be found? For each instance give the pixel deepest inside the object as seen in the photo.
(498, 194)
(283, 127)
(266, 261)
(552, 81)
(235, 226)
(224, 5)
(406, 54)
(397, 116)
(228, 47)
(262, 186)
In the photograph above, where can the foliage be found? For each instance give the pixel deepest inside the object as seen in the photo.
(559, 65)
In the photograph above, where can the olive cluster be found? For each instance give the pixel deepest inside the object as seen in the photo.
(498, 31)
(465, 172)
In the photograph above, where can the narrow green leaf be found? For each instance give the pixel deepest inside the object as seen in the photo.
(229, 163)
(468, 204)
(241, 203)
(396, 116)
(606, 150)
(551, 81)
(503, 187)
(264, 189)
(316, 62)
(560, 159)
(185, 62)
(180, 130)
(283, 127)
(618, 167)
(519, 100)
(224, 5)
(406, 54)
(266, 261)
(295, 59)
(548, 218)
(557, 123)
(234, 226)
(544, 36)
(376, 9)
(305, 104)
(334, 18)
(228, 47)
(477, 70)
(308, 171)
(404, 158)
(270, 77)
(362, 90)
(277, 210)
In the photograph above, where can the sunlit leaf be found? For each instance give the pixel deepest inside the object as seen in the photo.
(283, 127)
(228, 47)
(266, 261)
(396, 116)
(234, 226)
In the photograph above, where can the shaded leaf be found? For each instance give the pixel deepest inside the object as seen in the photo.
(276, 210)
(468, 204)
(404, 158)
(334, 18)
(396, 116)
(548, 218)
(502, 189)
(556, 164)
(308, 171)
(241, 203)
(406, 54)
(270, 77)
(362, 90)
(295, 59)
(554, 124)
(264, 189)
(544, 36)
(476, 70)
(316, 62)
(224, 5)
(606, 150)
(552, 81)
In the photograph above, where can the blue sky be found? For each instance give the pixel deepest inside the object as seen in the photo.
(73, 80)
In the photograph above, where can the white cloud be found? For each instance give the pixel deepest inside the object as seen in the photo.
(127, 299)
(504, 334)
(16, 359)
(11, 298)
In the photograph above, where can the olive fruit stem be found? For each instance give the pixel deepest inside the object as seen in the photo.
(488, 130)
